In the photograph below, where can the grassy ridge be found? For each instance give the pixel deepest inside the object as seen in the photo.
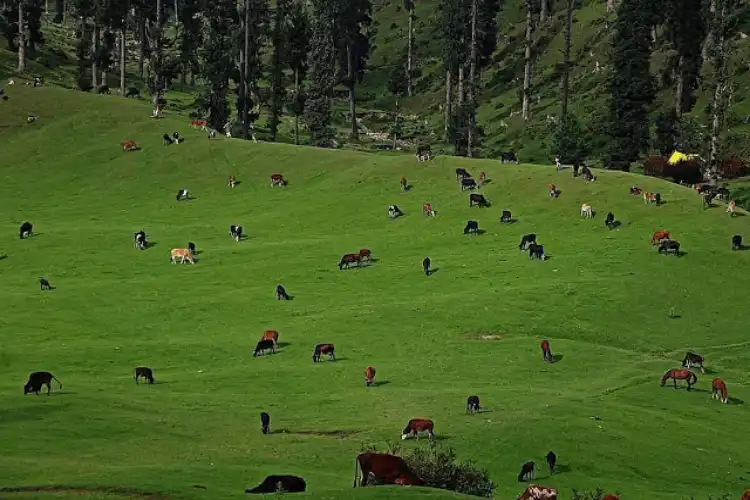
(602, 299)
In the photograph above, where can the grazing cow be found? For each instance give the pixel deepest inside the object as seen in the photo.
(264, 345)
(272, 335)
(277, 180)
(722, 193)
(461, 173)
(527, 471)
(166, 140)
(37, 380)
(472, 227)
(677, 374)
(746, 495)
(281, 293)
(417, 425)
(536, 251)
(551, 461)
(321, 349)
(708, 199)
(506, 216)
(736, 242)
(658, 237)
(145, 373)
(508, 157)
(426, 266)
(586, 174)
(232, 181)
(394, 211)
(719, 390)
(25, 230)
(527, 240)
(554, 193)
(586, 211)
(534, 492)
(610, 220)
(610, 497)
(667, 246)
(129, 146)
(404, 185)
(133, 92)
(279, 484)
(731, 207)
(546, 352)
(472, 405)
(349, 259)
(265, 422)
(691, 359)
(201, 124)
(365, 255)
(387, 469)
(183, 194)
(635, 190)
(369, 375)
(427, 210)
(103, 89)
(176, 137)
(468, 183)
(478, 200)
(482, 178)
(191, 247)
(183, 254)
(657, 199)
(649, 197)
(139, 240)
(235, 232)
(44, 284)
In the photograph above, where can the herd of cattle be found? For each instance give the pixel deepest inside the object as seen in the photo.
(383, 468)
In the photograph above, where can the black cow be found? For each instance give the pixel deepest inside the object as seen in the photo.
(479, 200)
(139, 240)
(527, 240)
(235, 232)
(166, 140)
(281, 293)
(551, 461)
(323, 349)
(472, 227)
(103, 89)
(722, 193)
(472, 404)
(527, 472)
(426, 266)
(536, 251)
(144, 372)
(191, 247)
(25, 230)
(280, 484)
(691, 359)
(133, 92)
(44, 284)
(37, 380)
(264, 345)
(461, 173)
(182, 193)
(508, 157)
(736, 242)
(657, 198)
(506, 216)
(265, 423)
(610, 220)
(468, 183)
(176, 137)
(667, 246)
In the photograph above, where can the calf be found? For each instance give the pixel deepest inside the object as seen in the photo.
(461, 173)
(232, 182)
(472, 405)
(25, 230)
(139, 240)
(551, 461)
(281, 293)
(731, 208)
(265, 423)
(417, 425)
(349, 259)
(145, 373)
(527, 472)
(427, 210)
(736, 242)
(235, 232)
(277, 180)
(386, 468)
(468, 183)
(272, 335)
(527, 240)
(534, 492)
(479, 200)
(44, 284)
(183, 254)
(321, 349)
(279, 484)
(472, 227)
(554, 193)
(37, 380)
(264, 345)
(394, 211)
(183, 194)
(506, 217)
(587, 211)
(546, 352)
(691, 359)
(667, 246)
(508, 157)
(133, 92)
(610, 220)
(404, 184)
(369, 375)
(536, 251)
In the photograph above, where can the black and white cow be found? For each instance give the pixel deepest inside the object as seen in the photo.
(478, 200)
(527, 240)
(235, 232)
(25, 230)
(468, 183)
(472, 227)
(536, 251)
(736, 242)
(394, 212)
(139, 240)
(182, 194)
(508, 157)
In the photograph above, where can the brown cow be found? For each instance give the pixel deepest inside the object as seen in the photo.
(323, 349)
(365, 254)
(388, 469)
(349, 259)
(271, 335)
(746, 495)
(658, 236)
(535, 492)
(369, 375)
(417, 425)
(183, 254)
(277, 180)
(611, 497)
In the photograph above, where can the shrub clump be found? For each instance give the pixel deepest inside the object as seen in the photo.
(438, 468)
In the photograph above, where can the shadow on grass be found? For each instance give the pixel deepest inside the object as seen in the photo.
(379, 383)
(557, 358)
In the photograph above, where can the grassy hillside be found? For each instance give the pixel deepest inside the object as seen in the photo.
(604, 299)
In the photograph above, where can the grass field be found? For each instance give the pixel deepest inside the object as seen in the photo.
(603, 299)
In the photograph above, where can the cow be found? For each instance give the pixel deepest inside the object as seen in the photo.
(482, 178)
(349, 259)
(472, 405)
(731, 208)
(426, 266)
(468, 183)
(667, 246)
(427, 210)
(527, 471)
(235, 232)
(610, 220)
(145, 373)
(129, 146)
(103, 89)
(264, 345)
(25, 230)
(719, 390)
(387, 469)
(37, 380)
(271, 335)
(176, 137)
(44, 284)
(551, 461)
(201, 124)
(534, 492)
(478, 200)
(281, 293)
(139, 240)
(737, 242)
(610, 497)
(365, 255)
(554, 193)
(265, 422)
(746, 495)
(691, 359)
(658, 237)
(232, 181)
(635, 190)
(708, 199)
(394, 212)
(526, 241)
(133, 92)
(183, 254)
(536, 252)
(472, 227)
(320, 349)
(586, 211)
(546, 352)
(191, 247)
(277, 180)
(369, 375)
(506, 217)
(404, 184)
(461, 173)
(649, 197)
(722, 193)
(586, 174)
(508, 157)
(417, 425)
(183, 194)
(279, 484)
(166, 140)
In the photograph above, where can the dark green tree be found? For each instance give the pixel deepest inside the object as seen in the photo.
(451, 30)
(189, 38)
(318, 115)
(686, 30)
(666, 131)
(398, 79)
(569, 140)
(279, 62)
(297, 45)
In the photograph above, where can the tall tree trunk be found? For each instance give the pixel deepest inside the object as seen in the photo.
(543, 11)
(104, 75)
(472, 80)
(680, 88)
(410, 48)
(352, 104)
(296, 115)
(21, 38)
(718, 104)
(94, 49)
(245, 72)
(460, 86)
(446, 126)
(157, 47)
(527, 56)
(566, 57)
(123, 53)
(141, 42)
(707, 43)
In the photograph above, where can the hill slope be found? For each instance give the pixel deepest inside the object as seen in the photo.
(474, 327)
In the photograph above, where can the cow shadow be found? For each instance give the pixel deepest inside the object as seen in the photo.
(60, 393)
(151, 244)
(379, 383)
(281, 345)
(736, 401)
(615, 225)
(3, 257)
(487, 181)
(159, 382)
(556, 358)
(197, 252)
(374, 260)
(408, 188)
(237, 183)
(478, 232)
(430, 272)
(561, 469)
(739, 214)
(509, 221)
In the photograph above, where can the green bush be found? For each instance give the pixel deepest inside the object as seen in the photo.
(438, 468)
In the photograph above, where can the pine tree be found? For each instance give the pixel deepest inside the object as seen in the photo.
(686, 29)
(321, 62)
(189, 39)
(298, 43)
(353, 17)
(451, 30)
(279, 62)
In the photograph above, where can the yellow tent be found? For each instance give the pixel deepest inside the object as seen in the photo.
(677, 157)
